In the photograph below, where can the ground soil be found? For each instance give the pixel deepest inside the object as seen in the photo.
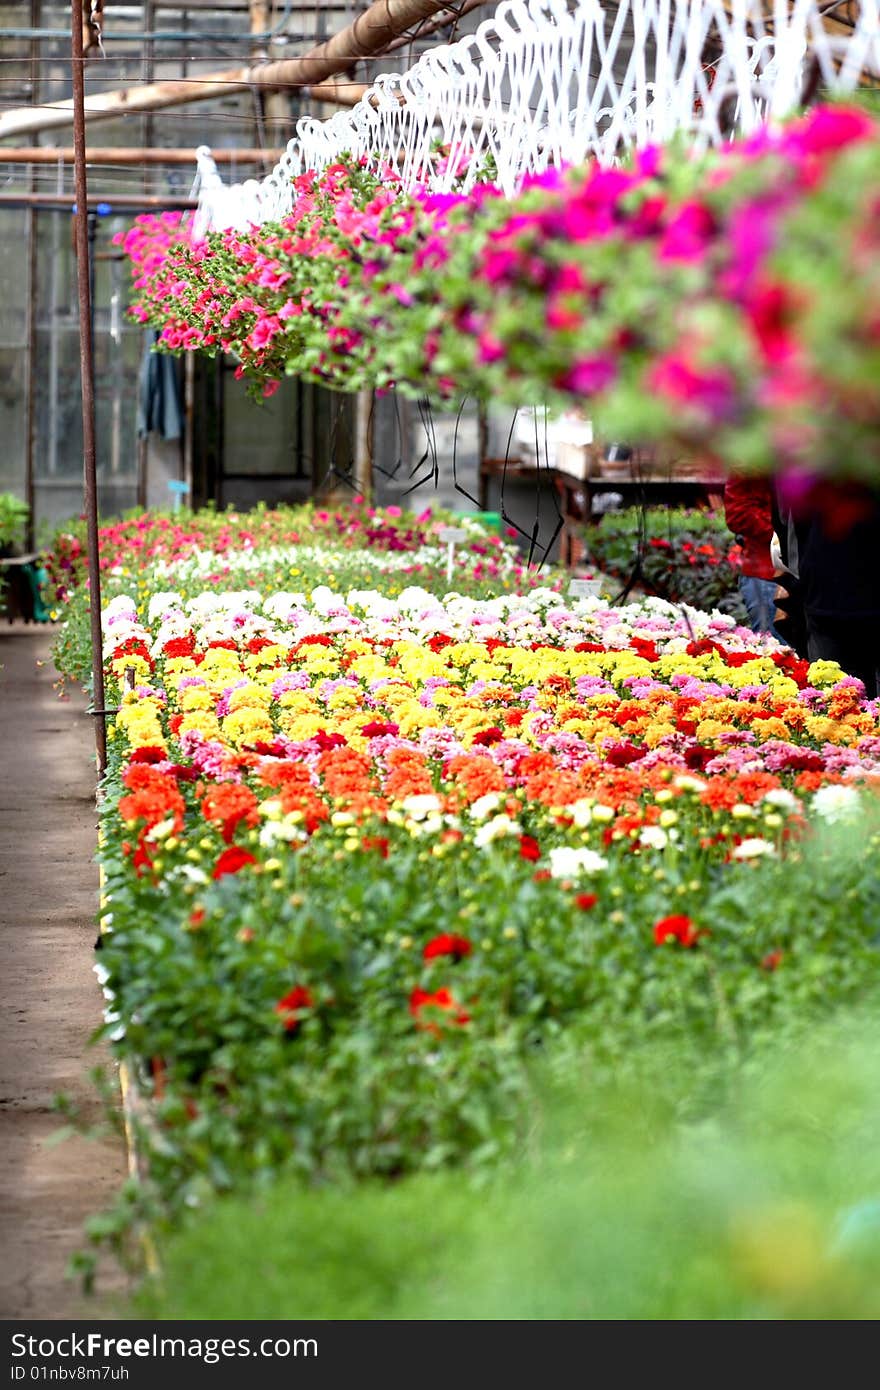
(50, 1002)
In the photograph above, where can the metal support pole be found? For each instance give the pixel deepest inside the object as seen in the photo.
(363, 443)
(87, 376)
(92, 233)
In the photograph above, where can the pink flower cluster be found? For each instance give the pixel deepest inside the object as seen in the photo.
(730, 301)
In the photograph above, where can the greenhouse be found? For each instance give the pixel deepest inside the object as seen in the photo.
(439, 661)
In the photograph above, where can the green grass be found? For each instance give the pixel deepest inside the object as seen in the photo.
(767, 1207)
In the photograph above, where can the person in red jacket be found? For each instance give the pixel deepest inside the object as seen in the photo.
(748, 510)
(770, 592)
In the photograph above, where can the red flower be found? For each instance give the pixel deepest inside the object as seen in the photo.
(290, 1006)
(324, 741)
(529, 848)
(179, 646)
(197, 917)
(148, 754)
(377, 842)
(487, 737)
(645, 648)
(376, 729)
(772, 960)
(232, 860)
(439, 641)
(677, 928)
(586, 900)
(446, 945)
(440, 999)
(541, 875)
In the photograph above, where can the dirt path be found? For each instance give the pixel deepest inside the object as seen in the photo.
(50, 1002)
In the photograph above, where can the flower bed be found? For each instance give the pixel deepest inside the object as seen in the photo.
(686, 555)
(727, 301)
(365, 856)
(349, 547)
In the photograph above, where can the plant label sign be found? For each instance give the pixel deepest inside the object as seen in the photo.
(584, 588)
(450, 535)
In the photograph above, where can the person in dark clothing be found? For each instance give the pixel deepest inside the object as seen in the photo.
(834, 547)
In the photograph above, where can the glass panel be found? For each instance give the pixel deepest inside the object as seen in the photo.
(13, 276)
(58, 442)
(12, 421)
(258, 438)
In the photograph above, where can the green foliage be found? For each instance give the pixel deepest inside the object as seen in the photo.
(13, 520)
(354, 1088)
(687, 555)
(627, 1202)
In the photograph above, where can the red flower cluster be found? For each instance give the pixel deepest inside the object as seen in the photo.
(441, 1000)
(291, 1006)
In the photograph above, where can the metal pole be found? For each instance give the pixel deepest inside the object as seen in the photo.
(87, 376)
(92, 232)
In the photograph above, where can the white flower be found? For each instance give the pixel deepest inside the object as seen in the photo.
(280, 605)
(753, 848)
(581, 812)
(742, 811)
(496, 829)
(190, 873)
(485, 805)
(652, 837)
(835, 804)
(121, 604)
(273, 831)
(786, 801)
(572, 863)
(161, 830)
(689, 784)
(161, 603)
(418, 807)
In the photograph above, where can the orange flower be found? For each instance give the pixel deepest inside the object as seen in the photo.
(441, 1000)
(154, 797)
(228, 805)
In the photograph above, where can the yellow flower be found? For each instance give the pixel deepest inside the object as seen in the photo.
(822, 673)
(200, 722)
(195, 697)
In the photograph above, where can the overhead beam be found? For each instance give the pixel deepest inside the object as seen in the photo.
(131, 154)
(370, 34)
